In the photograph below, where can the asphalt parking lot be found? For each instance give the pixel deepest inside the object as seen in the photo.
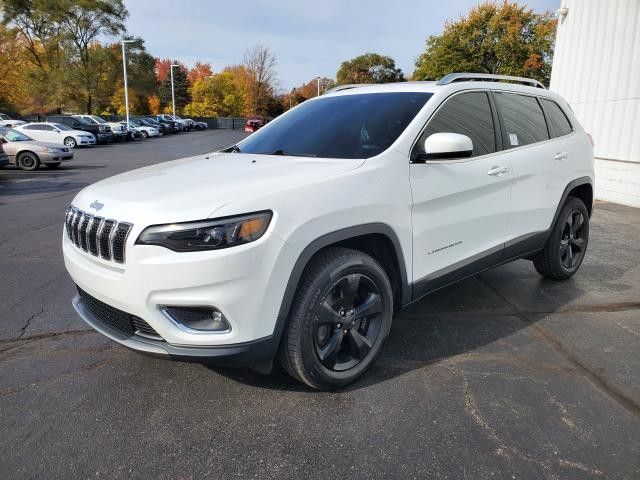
(504, 375)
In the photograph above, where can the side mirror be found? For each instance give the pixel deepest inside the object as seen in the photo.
(441, 146)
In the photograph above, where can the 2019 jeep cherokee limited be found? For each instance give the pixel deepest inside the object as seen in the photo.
(300, 243)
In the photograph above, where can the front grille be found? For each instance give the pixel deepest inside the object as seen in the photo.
(123, 322)
(98, 236)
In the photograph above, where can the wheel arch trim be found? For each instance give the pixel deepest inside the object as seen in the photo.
(327, 240)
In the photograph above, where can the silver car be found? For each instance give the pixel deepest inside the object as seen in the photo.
(29, 154)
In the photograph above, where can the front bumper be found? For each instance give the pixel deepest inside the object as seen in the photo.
(246, 283)
(240, 354)
(104, 137)
(48, 157)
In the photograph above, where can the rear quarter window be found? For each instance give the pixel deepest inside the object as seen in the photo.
(522, 119)
(559, 124)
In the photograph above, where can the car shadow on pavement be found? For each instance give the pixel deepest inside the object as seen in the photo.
(456, 321)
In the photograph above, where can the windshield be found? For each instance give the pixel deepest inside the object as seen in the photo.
(14, 136)
(61, 126)
(4, 117)
(98, 120)
(346, 126)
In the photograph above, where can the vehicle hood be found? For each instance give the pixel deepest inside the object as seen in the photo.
(194, 188)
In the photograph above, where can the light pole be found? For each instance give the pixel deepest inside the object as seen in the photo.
(173, 95)
(126, 88)
(318, 80)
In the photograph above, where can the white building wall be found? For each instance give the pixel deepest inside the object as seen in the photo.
(596, 68)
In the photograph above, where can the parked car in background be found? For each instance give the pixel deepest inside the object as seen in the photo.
(4, 158)
(118, 130)
(253, 124)
(163, 127)
(189, 123)
(201, 125)
(101, 132)
(176, 126)
(7, 121)
(29, 154)
(145, 131)
(57, 133)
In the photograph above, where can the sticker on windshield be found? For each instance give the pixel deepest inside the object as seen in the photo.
(513, 138)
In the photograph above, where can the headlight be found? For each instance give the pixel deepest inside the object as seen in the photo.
(207, 234)
(50, 150)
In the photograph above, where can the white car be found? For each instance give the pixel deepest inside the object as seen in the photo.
(57, 133)
(118, 129)
(300, 243)
(7, 121)
(144, 130)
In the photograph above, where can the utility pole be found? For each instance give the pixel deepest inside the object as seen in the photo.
(126, 88)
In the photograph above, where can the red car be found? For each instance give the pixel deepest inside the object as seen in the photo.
(253, 124)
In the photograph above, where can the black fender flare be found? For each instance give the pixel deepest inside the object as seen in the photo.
(570, 186)
(329, 239)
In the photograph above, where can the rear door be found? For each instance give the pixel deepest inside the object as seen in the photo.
(533, 158)
(460, 206)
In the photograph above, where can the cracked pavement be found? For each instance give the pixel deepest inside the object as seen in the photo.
(504, 375)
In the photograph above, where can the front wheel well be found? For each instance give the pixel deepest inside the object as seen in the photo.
(383, 250)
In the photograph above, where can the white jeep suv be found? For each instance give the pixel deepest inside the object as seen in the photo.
(302, 240)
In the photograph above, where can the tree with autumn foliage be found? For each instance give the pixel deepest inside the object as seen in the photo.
(500, 38)
(199, 71)
(215, 96)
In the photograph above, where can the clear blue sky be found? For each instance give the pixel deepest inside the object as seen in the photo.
(309, 38)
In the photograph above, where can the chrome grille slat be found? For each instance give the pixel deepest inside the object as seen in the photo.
(82, 231)
(103, 238)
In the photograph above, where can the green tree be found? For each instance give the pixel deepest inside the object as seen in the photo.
(60, 36)
(218, 95)
(181, 89)
(501, 38)
(369, 68)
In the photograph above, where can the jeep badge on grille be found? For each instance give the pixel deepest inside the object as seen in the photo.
(96, 205)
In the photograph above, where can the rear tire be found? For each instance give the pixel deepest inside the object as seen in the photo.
(28, 161)
(339, 319)
(564, 252)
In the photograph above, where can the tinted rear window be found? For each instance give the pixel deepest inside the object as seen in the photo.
(346, 126)
(522, 118)
(558, 121)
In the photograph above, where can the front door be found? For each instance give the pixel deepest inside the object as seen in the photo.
(460, 206)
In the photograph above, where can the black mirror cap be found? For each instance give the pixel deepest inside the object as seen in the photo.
(422, 157)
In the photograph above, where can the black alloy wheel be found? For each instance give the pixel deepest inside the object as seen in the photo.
(573, 241)
(348, 322)
(340, 316)
(567, 244)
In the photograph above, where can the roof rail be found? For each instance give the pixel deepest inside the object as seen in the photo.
(469, 77)
(346, 87)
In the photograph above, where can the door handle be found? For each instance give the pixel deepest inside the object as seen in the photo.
(560, 156)
(497, 171)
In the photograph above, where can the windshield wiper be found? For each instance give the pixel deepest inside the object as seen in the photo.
(282, 152)
(232, 149)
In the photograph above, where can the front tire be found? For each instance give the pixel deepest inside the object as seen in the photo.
(145, 134)
(339, 319)
(564, 252)
(28, 161)
(70, 142)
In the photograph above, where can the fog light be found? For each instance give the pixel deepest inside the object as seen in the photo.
(205, 319)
